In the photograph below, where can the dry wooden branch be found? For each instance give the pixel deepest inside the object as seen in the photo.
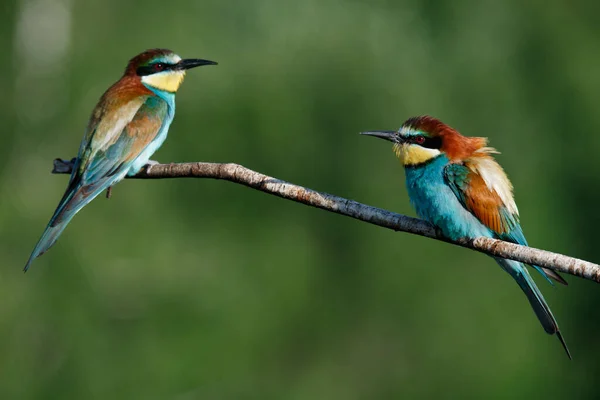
(377, 216)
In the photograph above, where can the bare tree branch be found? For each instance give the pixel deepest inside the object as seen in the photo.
(377, 216)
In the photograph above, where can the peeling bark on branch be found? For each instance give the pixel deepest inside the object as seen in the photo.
(377, 216)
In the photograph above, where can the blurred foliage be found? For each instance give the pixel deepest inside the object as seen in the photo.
(198, 289)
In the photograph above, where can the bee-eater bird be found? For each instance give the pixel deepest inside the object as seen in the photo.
(455, 184)
(129, 123)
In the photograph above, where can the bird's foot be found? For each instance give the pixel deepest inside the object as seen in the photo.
(151, 163)
(109, 192)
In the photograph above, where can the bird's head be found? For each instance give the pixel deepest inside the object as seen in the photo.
(161, 69)
(422, 139)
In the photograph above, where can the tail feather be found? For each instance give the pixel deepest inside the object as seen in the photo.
(75, 198)
(564, 344)
(550, 275)
(49, 237)
(535, 297)
(554, 275)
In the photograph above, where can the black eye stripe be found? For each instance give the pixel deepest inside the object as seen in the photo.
(427, 142)
(151, 68)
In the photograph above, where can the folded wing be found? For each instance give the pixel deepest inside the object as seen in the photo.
(482, 187)
(112, 143)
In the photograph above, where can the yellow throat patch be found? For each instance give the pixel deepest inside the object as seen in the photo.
(165, 81)
(411, 154)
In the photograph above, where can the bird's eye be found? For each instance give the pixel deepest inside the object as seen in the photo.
(159, 66)
(420, 139)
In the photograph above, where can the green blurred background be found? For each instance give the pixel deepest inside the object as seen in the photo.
(199, 289)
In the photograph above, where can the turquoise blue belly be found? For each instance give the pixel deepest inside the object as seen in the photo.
(435, 202)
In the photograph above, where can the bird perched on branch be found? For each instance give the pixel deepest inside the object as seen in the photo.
(455, 184)
(129, 123)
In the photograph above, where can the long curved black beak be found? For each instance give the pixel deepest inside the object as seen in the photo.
(392, 136)
(193, 63)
